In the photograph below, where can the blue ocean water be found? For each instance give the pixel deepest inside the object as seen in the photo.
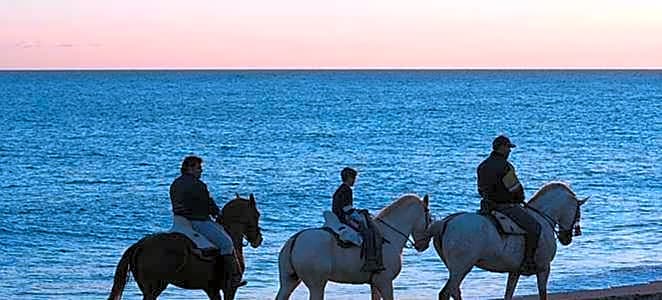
(87, 158)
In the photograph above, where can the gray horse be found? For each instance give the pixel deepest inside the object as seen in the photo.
(313, 256)
(466, 240)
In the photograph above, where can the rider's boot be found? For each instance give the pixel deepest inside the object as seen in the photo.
(232, 272)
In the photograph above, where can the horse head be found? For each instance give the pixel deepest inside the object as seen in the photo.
(569, 221)
(420, 233)
(412, 213)
(242, 218)
(569, 212)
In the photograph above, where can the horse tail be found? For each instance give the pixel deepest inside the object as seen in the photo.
(122, 273)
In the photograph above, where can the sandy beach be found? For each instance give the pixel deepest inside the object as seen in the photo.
(652, 290)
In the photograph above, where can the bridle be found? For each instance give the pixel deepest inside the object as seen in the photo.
(412, 244)
(255, 230)
(574, 228)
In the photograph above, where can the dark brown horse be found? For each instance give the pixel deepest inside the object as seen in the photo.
(168, 258)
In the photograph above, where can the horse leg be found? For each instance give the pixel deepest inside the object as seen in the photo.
(375, 293)
(287, 285)
(510, 286)
(228, 294)
(213, 294)
(162, 286)
(452, 287)
(316, 288)
(385, 289)
(152, 289)
(542, 283)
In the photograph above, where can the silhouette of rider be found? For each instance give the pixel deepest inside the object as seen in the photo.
(190, 199)
(343, 208)
(502, 191)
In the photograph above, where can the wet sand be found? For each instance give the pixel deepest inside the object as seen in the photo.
(652, 290)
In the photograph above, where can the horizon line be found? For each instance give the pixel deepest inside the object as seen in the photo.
(337, 69)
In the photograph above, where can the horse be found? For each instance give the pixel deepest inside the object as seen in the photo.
(161, 259)
(465, 240)
(314, 257)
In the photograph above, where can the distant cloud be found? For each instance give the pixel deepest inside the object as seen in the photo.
(26, 45)
(37, 44)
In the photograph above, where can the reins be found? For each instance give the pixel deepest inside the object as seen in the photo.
(411, 245)
(553, 223)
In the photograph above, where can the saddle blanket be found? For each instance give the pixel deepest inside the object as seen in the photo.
(345, 233)
(508, 226)
(183, 225)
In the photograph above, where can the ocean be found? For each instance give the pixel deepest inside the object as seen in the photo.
(88, 157)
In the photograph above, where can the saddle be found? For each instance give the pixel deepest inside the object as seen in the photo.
(370, 239)
(203, 247)
(504, 224)
(345, 235)
(339, 241)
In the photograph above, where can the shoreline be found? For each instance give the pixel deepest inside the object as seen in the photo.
(651, 290)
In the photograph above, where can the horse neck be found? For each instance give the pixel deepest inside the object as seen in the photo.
(403, 220)
(552, 203)
(233, 226)
(233, 230)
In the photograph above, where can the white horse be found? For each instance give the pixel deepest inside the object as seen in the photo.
(314, 257)
(466, 240)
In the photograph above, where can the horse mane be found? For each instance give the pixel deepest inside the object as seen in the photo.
(233, 208)
(234, 202)
(404, 200)
(548, 186)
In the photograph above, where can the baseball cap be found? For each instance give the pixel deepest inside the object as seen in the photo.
(502, 140)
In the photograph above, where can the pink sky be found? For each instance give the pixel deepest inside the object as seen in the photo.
(330, 34)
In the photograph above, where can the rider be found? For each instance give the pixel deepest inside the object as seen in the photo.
(343, 199)
(501, 190)
(343, 208)
(190, 199)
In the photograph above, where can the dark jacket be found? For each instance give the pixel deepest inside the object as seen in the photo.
(190, 198)
(497, 181)
(341, 198)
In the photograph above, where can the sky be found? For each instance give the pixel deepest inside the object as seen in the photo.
(310, 34)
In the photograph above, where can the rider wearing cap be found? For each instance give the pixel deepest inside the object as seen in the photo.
(501, 190)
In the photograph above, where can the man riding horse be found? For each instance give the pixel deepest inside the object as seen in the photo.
(501, 190)
(190, 199)
(343, 208)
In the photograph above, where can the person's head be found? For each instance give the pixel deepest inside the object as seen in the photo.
(192, 165)
(502, 144)
(348, 176)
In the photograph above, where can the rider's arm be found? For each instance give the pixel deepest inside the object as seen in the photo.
(213, 208)
(342, 198)
(513, 185)
(178, 196)
(486, 182)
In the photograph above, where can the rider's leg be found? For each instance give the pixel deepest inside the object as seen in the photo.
(373, 261)
(532, 228)
(215, 234)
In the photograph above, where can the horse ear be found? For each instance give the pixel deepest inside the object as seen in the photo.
(251, 197)
(581, 202)
(426, 200)
(237, 195)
